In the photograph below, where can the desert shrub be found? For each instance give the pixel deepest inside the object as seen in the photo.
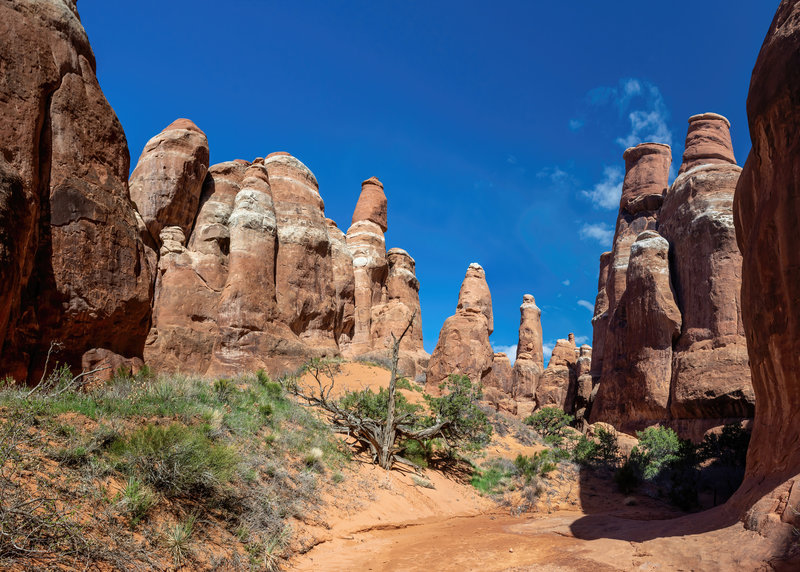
(177, 460)
(178, 537)
(584, 451)
(658, 448)
(550, 422)
(607, 452)
(370, 405)
(538, 464)
(493, 478)
(466, 424)
(729, 447)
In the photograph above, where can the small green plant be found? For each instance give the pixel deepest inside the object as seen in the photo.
(607, 451)
(177, 460)
(422, 482)
(178, 537)
(223, 387)
(584, 452)
(538, 464)
(136, 500)
(493, 478)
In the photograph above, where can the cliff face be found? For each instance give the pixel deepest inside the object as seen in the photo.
(767, 219)
(672, 350)
(74, 268)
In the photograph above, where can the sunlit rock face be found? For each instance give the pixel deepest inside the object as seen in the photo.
(74, 268)
(463, 347)
(766, 215)
(710, 373)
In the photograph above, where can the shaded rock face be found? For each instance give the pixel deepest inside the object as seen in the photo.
(463, 346)
(344, 284)
(166, 183)
(600, 317)
(557, 384)
(634, 391)
(710, 374)
(501, 376)
(74, 267)
(767, 218)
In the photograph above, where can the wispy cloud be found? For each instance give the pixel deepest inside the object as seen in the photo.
(511, 160)
(510, 351)
(566, 282)
(580, 340)
(597, 231)
(575, 124)
(586, 304)
(555, 175)
(642, 104)
(607, 192)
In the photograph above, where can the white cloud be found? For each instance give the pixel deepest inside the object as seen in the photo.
(586, 304)
(566, 282)
(580, 340)
(599, 232)
(547, 348)
(606, 193)
(511, 160)
(575, 124)
(510, 351)
(649, 120)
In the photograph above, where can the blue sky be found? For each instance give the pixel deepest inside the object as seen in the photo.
(497, 129)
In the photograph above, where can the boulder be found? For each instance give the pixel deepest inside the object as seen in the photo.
(767, 219)
(165, 186)
(106, 364)
(77, 269)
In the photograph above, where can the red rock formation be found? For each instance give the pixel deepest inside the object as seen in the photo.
(600, 318)
(77, 269)
(303, 266)
(708, 142)
(190, 279)
(634, 389)
(500, 376)
(368, 246)
(392, 315)
(463, 346)
(371, 204)
(767, 218)
(344, 284)
(557, 384)
(710, 376)
(166, 183)
(529, 364)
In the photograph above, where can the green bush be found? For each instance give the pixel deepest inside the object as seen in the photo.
(658, 449)
(585, 451)
(493, 478)
(368, 404)
(550, 423)
(467, 424)
(177, 460)
(538, 464)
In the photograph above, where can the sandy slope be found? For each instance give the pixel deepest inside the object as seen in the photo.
(379, 520)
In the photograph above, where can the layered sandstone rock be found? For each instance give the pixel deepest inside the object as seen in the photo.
(344, 284)
(75, 268)
(165, 186)
(304, 284)
(190, 279)
(393, 314)
(767, 218)
(367, 244)
(710, 376)
(463, 346)
(372, 204)
(634, 390)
